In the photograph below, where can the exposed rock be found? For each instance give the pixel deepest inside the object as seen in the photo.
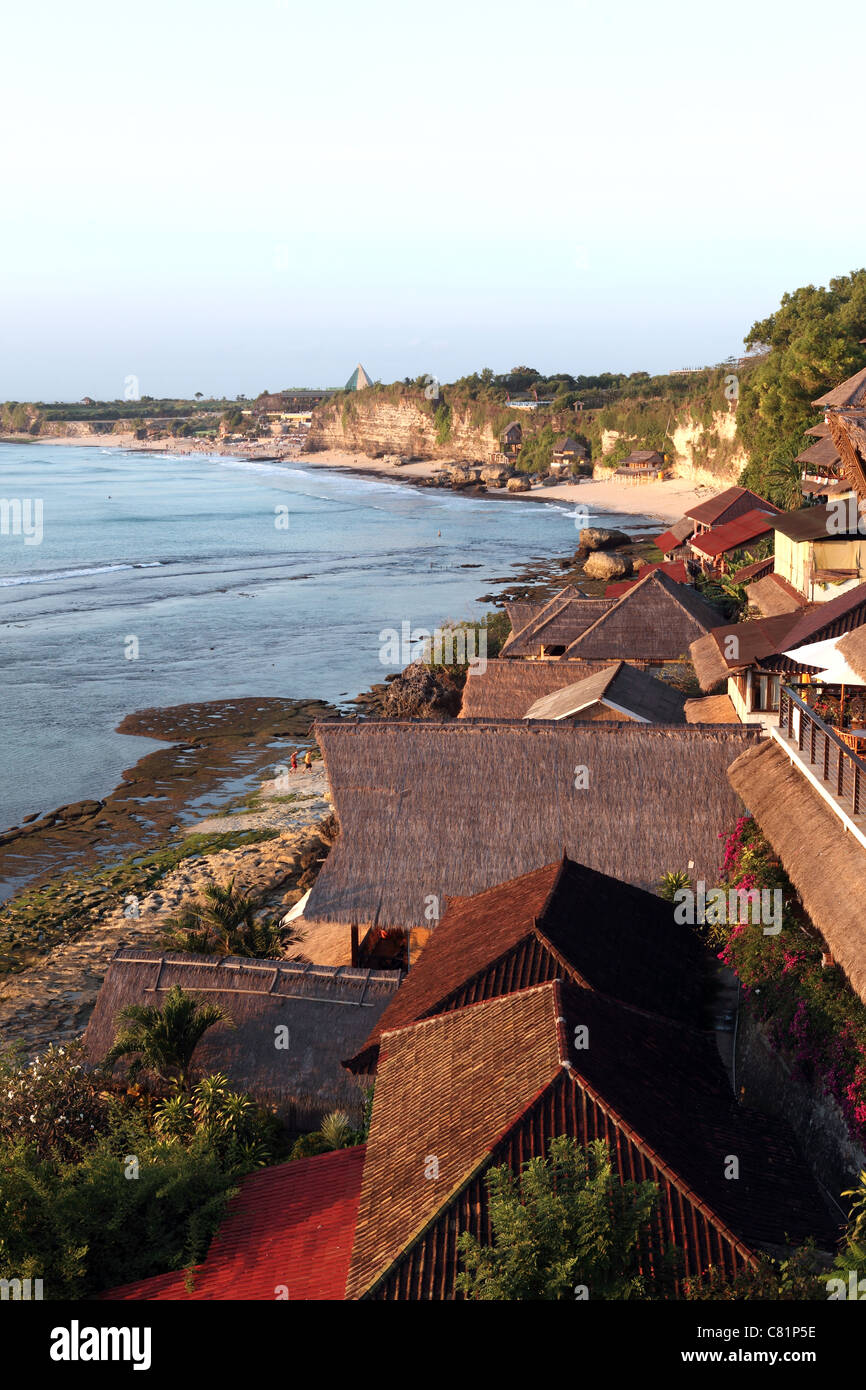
(420, 693)
(601, 565)
(520, 483)
(597, 538)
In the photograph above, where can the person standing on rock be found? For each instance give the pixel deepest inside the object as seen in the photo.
(308, 760)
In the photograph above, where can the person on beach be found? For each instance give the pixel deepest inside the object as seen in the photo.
(308, 760)
(294, 762)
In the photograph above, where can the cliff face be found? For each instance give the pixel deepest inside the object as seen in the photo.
(367, 424)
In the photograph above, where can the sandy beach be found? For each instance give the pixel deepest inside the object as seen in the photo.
(666, 500)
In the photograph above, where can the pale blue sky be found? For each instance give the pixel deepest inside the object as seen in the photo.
(226, 197)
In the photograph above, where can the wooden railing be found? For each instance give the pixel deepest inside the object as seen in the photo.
(834, 762)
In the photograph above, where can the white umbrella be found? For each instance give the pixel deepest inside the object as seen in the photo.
(834, 669)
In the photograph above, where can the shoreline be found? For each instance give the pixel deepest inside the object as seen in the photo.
(664, 501)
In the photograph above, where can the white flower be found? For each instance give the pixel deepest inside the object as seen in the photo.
(33, 1119)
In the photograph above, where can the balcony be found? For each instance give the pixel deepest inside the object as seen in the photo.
(825, 756)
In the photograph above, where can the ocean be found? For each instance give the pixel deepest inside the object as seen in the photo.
(163, 579)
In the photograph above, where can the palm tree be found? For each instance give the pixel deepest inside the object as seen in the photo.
(164, 1040)
(223, 924)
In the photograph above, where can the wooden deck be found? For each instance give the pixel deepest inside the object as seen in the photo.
(826, 758)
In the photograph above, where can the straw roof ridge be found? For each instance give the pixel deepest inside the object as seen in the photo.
(815, 851)
(633, 692)
(653, 629)
(848, 433)
(505, 689)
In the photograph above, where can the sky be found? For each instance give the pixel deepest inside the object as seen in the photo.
(232, 197)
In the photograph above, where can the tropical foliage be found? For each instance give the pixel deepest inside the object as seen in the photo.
(224, 922)
(163, 1040)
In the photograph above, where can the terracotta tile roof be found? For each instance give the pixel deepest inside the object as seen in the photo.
(674, 569)
(755, 642)
(733, 534)
(727, 505)
(602, 933)
(842, 613)
(446, 1089)
(291, 1225)
(678, 533)
(451, 1088)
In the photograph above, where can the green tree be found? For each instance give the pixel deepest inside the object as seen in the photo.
(223, 923)
(565, 1221)
(164, 1040)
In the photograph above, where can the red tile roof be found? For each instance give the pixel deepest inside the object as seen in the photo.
(732, 534)
(290, 1226)
(733, 502)
(674, 569)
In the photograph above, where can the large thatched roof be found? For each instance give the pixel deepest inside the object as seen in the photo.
(826, 865)
(622, 690)
(853, 648)
(773, 595)
(850, 392)
(434, 810)
(563, 920)
(506, 689)
(656, 620)
(328, 1011)
(556, 623)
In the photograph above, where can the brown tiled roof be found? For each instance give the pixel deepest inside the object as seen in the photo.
(657, 619)
(592, 929)
(755, 641)
(756, 570)
(773, 595)
(436, 809)
(727, 505)
(831, 619)
(451, 1089)
(621, 688)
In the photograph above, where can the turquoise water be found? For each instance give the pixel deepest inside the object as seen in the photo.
(225, 594)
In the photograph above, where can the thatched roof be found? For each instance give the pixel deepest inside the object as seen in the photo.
(456, 808)
(711, 709)
(656, 620)
(506, 689)
(556, 623)
(819, 431)
(773, 595)
(848, 432)
(822, 454)
(493, 1082)
(676, 536)
(641, 457)
(733, 502)
(519, 613)
(291, 1226)
(853, 648)
(563, 920)
(850, 392)
(623, 689)
(826, 866)
(328, 1011)
(738, 645)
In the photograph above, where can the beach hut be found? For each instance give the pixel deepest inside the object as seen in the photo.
(427, 811)
(568, 453)
(655, 621)
(563, 921)
(494, 1082)
(327, 1011)
(615, 692)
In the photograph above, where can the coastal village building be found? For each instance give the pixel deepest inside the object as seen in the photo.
(674, 569)
(427, 811)
(326, 1010)
(711, 547)
(562, 921)
(511, 439)
(507, 689)
(652, 623)
(494, 1082)
(615, 693)
(642, 465)
(672, 543)
(358, 380)
(819, 550)
(567, 454)
(725, 506)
